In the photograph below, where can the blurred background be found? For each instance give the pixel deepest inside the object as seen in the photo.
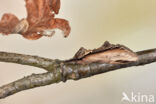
(128, 22)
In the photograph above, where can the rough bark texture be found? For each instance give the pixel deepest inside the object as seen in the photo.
(61, 71)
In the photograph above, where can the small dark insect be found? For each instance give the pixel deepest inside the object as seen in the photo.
(40, 20)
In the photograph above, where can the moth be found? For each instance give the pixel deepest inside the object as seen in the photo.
(107, 53)
(40, 20)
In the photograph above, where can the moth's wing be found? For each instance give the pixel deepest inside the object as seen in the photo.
(7, 23)
(55, 5)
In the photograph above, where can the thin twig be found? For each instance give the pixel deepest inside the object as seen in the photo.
(61, 71)
(26, 60)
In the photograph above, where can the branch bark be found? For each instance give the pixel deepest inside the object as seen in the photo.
(61, 71)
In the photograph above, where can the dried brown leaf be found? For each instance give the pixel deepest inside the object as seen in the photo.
(40, 20)
(55, 5)
(7, 23)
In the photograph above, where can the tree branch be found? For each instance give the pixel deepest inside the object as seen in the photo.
(27, 60)
(62, 71)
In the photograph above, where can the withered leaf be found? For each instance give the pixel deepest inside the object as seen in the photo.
(40, 20)
(55, 5)
(107, 53)
(7, 23)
